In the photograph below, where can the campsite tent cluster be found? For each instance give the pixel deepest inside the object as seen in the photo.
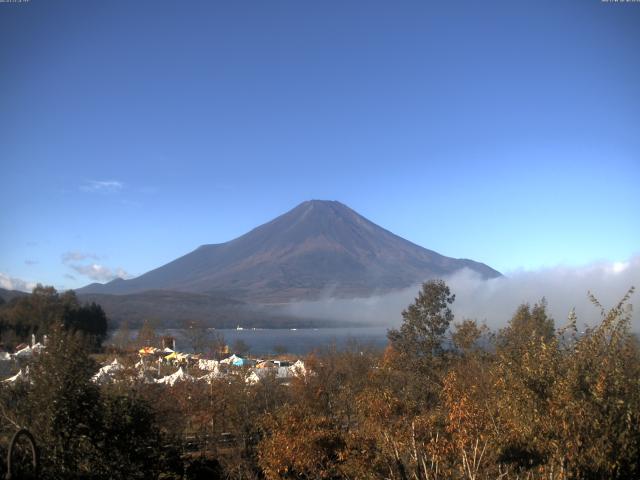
(10, 362)
(190, 367)
(152, 361)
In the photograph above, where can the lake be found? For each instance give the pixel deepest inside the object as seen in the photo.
(299, 341)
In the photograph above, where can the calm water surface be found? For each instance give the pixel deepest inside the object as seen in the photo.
(300, 341)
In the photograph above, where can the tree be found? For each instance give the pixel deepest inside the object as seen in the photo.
(526, 324)
(425, 322)
(129, 442)
(122, 338)
(240, 347)
(83, 431)
(35, 313)
(197, 334)
(45, 309)
(467, 334)
(147, 336)
(218, 346)
(63, 404)
(89, 319)
(45, 305)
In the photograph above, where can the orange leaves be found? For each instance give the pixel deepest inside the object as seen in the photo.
(300, 444)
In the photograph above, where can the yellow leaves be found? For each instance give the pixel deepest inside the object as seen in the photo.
(601, 385)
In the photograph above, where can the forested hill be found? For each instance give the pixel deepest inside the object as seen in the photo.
(7, 295)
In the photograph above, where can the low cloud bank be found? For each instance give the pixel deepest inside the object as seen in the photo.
(12, 283)
(494, 301)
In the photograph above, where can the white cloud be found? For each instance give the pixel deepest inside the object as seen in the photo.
(100, 273)
(618, 267)
(12, 283)
(564, 288)
(495, 300)
(102, 186)
(94, 271)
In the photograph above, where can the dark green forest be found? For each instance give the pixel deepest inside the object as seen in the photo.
(45, 310)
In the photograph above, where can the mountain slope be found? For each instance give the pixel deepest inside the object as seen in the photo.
(8, 295)
(319, 247)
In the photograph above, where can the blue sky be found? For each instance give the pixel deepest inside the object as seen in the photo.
(132, 132)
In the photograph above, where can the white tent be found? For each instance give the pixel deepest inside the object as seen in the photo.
(210, 365)
(298, 368)
(179, 376)
(230, 360)
(113, 366)
(21, 376)
(26, 352)
(256, 375)
(106, 373)
(212, 375)
(253, 378)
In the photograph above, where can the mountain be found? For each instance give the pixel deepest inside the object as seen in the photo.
(316, 249)
(8, 295)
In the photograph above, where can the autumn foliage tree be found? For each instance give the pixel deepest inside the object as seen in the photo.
(527, 402)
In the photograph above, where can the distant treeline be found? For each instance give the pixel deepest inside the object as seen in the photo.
(529, 401)
(170, 309)
(45, 309)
